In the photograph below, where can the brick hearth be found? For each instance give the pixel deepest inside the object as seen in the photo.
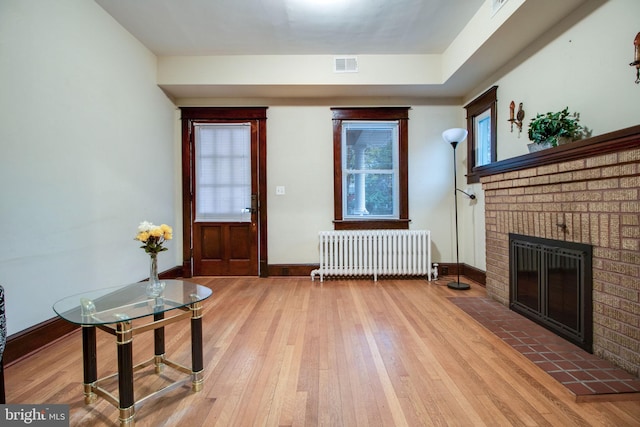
(587, 192)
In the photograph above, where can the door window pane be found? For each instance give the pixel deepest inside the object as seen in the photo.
(223, 172)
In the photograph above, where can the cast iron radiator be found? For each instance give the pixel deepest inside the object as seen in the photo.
(374, 253)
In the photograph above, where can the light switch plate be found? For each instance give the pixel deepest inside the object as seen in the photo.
(280, 190)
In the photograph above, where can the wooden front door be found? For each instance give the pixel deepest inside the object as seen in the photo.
(222, 179)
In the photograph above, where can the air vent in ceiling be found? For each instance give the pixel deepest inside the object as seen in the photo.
(345, 64)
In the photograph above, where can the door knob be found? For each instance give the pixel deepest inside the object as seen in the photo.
(254, 204)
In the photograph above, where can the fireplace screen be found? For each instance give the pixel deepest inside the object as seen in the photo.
(551, 284)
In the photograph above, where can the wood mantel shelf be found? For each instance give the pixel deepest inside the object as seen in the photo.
(619, 140)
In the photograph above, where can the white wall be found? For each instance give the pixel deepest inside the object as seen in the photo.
(431, 190)
(300, 158)
(87, 152)
(582, 64)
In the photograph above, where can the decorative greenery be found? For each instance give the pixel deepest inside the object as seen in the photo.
(551, 126)
(153, 236)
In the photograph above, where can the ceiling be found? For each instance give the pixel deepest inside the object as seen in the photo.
(311, 27)
(286, 27)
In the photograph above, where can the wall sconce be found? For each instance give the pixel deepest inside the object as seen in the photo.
(636, 57)
(516, 118)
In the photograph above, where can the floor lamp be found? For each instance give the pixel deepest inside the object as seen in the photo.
(453, 137)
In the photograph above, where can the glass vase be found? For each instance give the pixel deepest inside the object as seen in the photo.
(154, 287)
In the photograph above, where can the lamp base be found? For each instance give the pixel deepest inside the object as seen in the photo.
(459, 286)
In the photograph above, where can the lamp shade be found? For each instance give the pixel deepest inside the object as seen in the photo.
(454, 135)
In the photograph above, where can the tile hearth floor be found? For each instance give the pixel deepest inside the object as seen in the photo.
(584, 374)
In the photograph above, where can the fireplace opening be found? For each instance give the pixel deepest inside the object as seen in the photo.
(551, 284)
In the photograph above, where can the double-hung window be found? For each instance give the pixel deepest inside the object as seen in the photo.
(481, 125)
(369, 170)
(482, 133)
(370, 160)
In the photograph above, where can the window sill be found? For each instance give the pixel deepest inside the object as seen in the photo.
(473, 178)
(371, 224)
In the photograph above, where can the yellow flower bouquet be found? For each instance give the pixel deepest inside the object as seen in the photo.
(153, 236)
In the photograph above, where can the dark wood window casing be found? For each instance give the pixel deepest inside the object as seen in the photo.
(487, 101)
(401, 114)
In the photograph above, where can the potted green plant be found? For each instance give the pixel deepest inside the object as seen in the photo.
(550, 129)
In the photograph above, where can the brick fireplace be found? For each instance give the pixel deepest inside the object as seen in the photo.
(585, 192)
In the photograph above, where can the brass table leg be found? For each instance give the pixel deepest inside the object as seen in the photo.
(124, 339)
(126, 417)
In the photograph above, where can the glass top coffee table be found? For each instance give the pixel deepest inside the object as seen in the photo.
(114, 310)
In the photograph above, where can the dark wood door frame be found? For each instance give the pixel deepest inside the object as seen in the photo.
(213, 115)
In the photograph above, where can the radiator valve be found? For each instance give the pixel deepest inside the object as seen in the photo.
(434, 271)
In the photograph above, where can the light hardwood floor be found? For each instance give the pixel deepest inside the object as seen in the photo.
(291, 352)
